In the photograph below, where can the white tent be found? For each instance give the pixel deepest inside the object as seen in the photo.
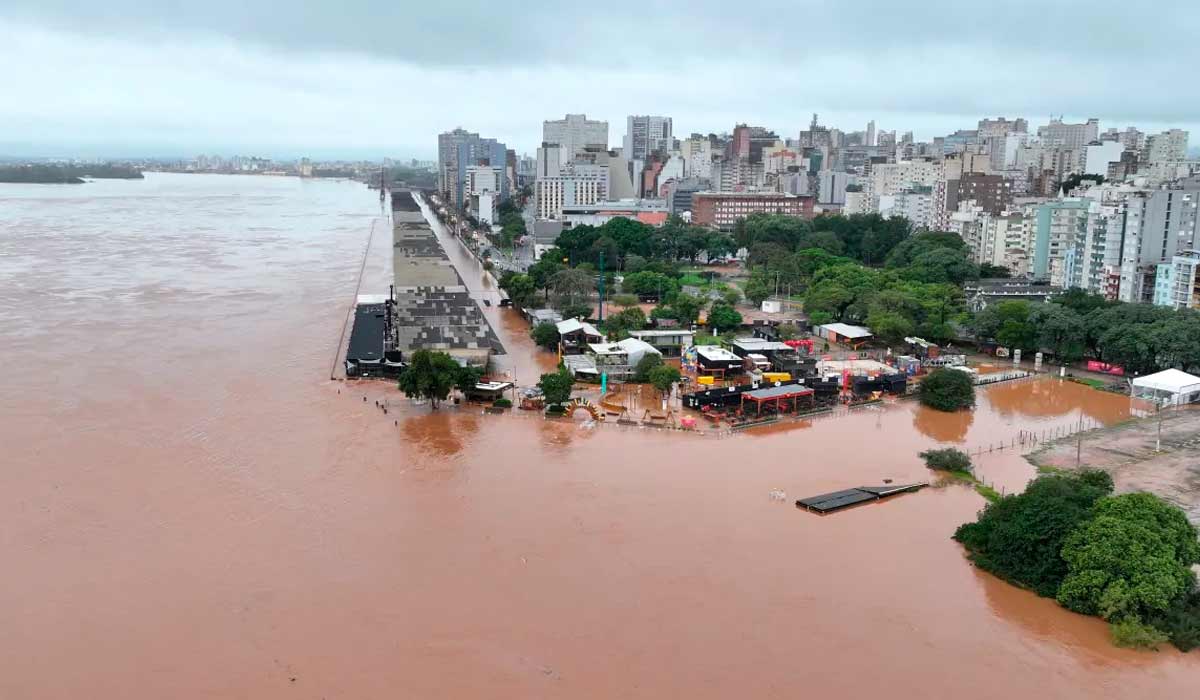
(1169, 386)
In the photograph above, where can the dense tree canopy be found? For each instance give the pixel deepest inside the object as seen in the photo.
(1019, 537)
(947, 390)
(1131, 559)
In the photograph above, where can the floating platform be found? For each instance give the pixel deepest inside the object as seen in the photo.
(837, 500)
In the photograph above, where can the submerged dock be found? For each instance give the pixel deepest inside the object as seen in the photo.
(837, 500)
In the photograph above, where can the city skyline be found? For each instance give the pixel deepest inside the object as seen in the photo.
(356, 83)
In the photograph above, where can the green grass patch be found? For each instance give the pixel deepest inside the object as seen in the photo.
(989, 493)
(693, 280)
(1094, 383)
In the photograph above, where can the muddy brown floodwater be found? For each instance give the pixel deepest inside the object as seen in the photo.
(192, 510)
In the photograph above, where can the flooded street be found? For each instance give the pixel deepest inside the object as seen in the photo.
(191, 509)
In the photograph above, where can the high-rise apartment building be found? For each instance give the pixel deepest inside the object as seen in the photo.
(831, 187)
(1059, 133)
(574, 133)
(1166, 147)
(1177, 283)
(870, 133)
(448, 144)
(1001, 127)
(645, 135)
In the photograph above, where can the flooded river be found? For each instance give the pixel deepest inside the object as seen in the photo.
(192, 510)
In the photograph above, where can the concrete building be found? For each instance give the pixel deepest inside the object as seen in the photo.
(832, 187)
(697, 151)
(1058, 133)
(652, 212)
(1006, 242)
(1097, 157)
(447, 163)
(890, 178)
(479, 152)
(645, 135)
(576, 184)
(723, 210)
(1000, 127)
(993, 193)
(1177, 283)
(916, 205)
(1060, 226)
(1169, 146)
(857, 202)
(870, 133)
(574, 133)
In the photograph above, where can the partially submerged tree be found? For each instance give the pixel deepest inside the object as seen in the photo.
(663, 376)
(947, 390)
(429, 375)
(947, 460)
(556, 387)
(545, 334)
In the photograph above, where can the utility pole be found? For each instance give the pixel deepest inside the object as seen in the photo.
(601, 314)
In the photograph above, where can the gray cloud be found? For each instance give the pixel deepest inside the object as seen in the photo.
(479, 32)
(383, 75)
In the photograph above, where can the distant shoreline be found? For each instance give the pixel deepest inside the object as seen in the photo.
(66, 174)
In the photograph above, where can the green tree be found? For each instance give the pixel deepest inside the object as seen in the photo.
(575, 309)
(947, 390)
(648, 283)
(1060, 330)
(1019, 538)
(918, 244)
(947, 460)
(687, 308)
(641, 372)
(618, 325)
(1131, 559)
(429, 375)
(556, 387)
(663, 376)
(624, 299)
(634, 263)
(941, 265)
(758, 288)
(827, 241)
(572, 283)
(1009, 323)
(545, 334)
(519, 287)
(722, 316)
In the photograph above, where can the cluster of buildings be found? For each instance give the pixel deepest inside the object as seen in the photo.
(1111, 211)
(475, 174)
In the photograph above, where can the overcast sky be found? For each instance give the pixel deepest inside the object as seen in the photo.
(382, 77)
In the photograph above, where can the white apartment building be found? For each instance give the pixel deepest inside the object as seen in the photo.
(890, 178)
(1005, 241)
(697, 155)
(967, 222)
(1168, 146)
(574, 133)
(916, 206)
(575, 185)
(857, 203)
(1058, 133)
(1097, 156)
(480, 179)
